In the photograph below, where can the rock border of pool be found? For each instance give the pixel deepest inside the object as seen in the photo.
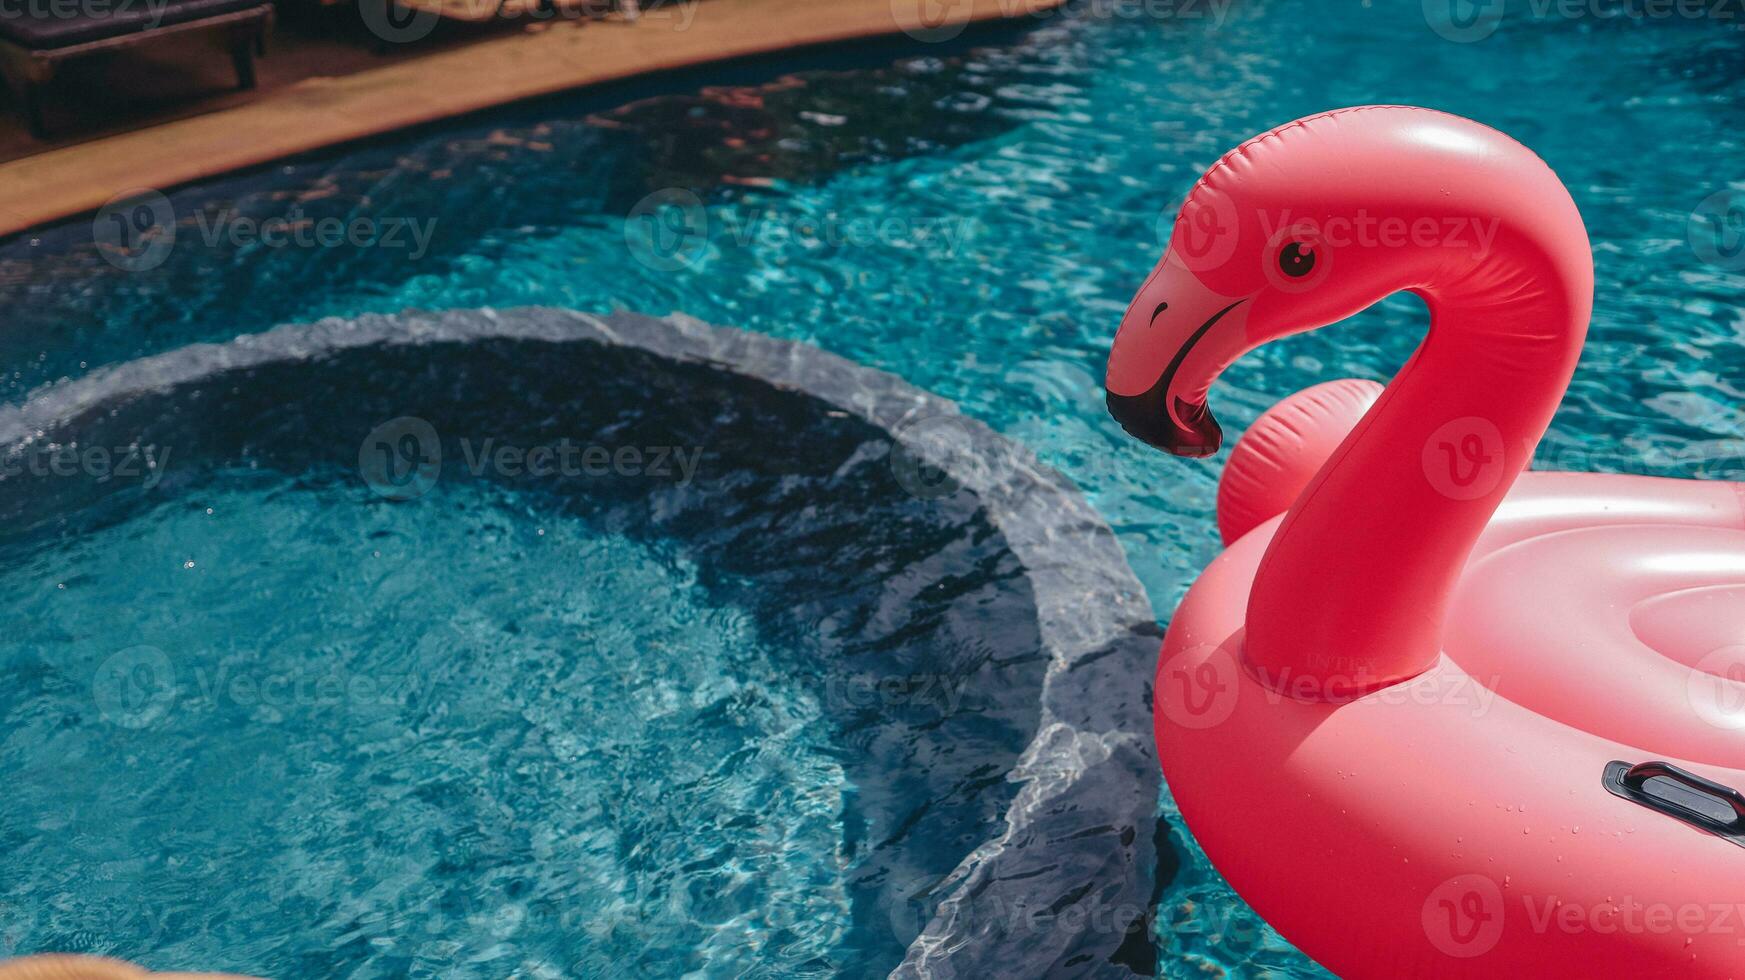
(1081, 828)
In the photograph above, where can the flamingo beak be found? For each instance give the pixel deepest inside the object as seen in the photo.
(1165, 356)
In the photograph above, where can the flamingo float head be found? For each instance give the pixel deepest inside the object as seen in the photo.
(1312, 222)
(1308, 224)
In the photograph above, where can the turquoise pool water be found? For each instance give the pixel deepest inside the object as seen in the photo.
(237, 750)
(976, 220)
(725, 716)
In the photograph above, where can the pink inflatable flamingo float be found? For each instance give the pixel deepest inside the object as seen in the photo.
(1441, 717)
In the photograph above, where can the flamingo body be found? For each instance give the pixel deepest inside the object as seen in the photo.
(1455, 825)
(1441, 716)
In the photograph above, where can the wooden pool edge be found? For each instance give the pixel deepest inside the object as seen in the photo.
(323, 112)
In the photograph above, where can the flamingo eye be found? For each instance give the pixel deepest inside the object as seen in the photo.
(1296, 260)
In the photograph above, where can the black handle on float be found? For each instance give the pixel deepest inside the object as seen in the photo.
(1631, 783)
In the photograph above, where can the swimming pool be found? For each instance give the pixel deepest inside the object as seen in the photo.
(977, 222)
(703, 653)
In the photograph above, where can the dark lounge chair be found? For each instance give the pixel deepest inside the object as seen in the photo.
(37, 35)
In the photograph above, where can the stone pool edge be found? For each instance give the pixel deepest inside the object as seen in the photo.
(1081, 827)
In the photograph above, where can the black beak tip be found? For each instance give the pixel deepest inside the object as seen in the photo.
(1144, 418)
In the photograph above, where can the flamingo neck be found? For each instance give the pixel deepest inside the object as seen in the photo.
(1352, 592)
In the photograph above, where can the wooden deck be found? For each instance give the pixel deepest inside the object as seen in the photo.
(347, 93)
